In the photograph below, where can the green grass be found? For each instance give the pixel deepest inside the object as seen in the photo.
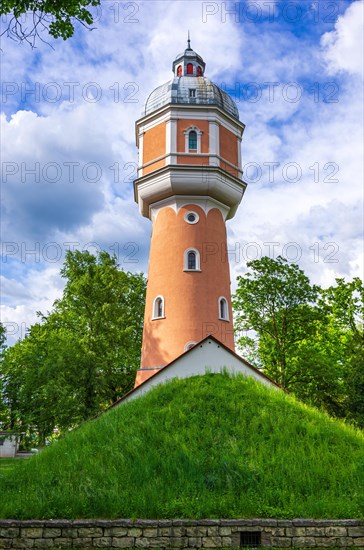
(208, 446)
(7, 464)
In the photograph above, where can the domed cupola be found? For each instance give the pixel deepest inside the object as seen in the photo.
(188, 63)
(190, 86)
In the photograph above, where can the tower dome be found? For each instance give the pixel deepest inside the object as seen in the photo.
(178, 91)
(190, 86)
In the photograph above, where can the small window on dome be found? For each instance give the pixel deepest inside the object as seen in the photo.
(199, 71)
(189, 68)
(192, 140)
(192, 92)
(179, 70)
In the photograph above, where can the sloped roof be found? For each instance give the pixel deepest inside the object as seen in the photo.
(169, 371)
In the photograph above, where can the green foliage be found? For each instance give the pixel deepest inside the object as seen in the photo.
(307, 339)
(274, 300)
(84, 354)
(207, 446)
(30, 17)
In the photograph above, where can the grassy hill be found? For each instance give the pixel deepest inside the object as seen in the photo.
(208, 446)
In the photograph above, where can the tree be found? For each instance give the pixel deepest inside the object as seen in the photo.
(2, 349)
(345, 304)
(307, 339)
(274, 300)
(102, 308)
(84, 353)
(29, 18)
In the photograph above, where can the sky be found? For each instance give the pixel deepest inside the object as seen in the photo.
(68, 153)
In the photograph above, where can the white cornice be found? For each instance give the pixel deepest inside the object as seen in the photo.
(212, 182)
(178, 201)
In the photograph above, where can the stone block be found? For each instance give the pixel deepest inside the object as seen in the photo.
(142, 523)
(211, 542)
(149, 532)
(178, 531)
(213, 531)
(196, 531)
(295, 531)
(58, 523)
(122, 542)
(142, 542)
(298, 522)
(32, 532)
(281, 542)
(165, 523)
(225, 531)
(5, 543)
(85, 532)
(178, 542)
(115, 531)
(344, 542)
(101, 542)
(135, 532)
(325, 542)
(158, 542)
(275, 531)
(23, 543)
(356, 531)
(303, 542)
(359, 542)
(9, 532)
(315, 531)
(51, 533)
(194, 542)
(226, 542)
(236, 522)
(235, 540)
(43, 543)
(82, 542)
(264, 522)
(336, 531)
(63, 543)
(70, 532)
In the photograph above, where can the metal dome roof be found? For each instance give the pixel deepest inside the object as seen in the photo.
(177, 91)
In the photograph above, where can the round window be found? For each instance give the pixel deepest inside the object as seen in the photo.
(191, 217)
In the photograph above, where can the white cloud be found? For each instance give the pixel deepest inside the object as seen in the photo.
(125, 61)
(344, 47)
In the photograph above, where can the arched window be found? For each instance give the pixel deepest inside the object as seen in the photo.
(192, 140)
(223, 309)
(179, 70)
(191, 260)
(189, 68)
(199, 71)
(193, 136)
(158, 308)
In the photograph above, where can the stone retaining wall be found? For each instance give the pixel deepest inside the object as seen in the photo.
(181, 534)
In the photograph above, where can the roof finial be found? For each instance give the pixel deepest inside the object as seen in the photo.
(188, 41)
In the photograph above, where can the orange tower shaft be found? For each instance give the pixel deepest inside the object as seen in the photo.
(189, 182)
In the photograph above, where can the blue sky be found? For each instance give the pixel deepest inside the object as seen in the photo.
(68, 140)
